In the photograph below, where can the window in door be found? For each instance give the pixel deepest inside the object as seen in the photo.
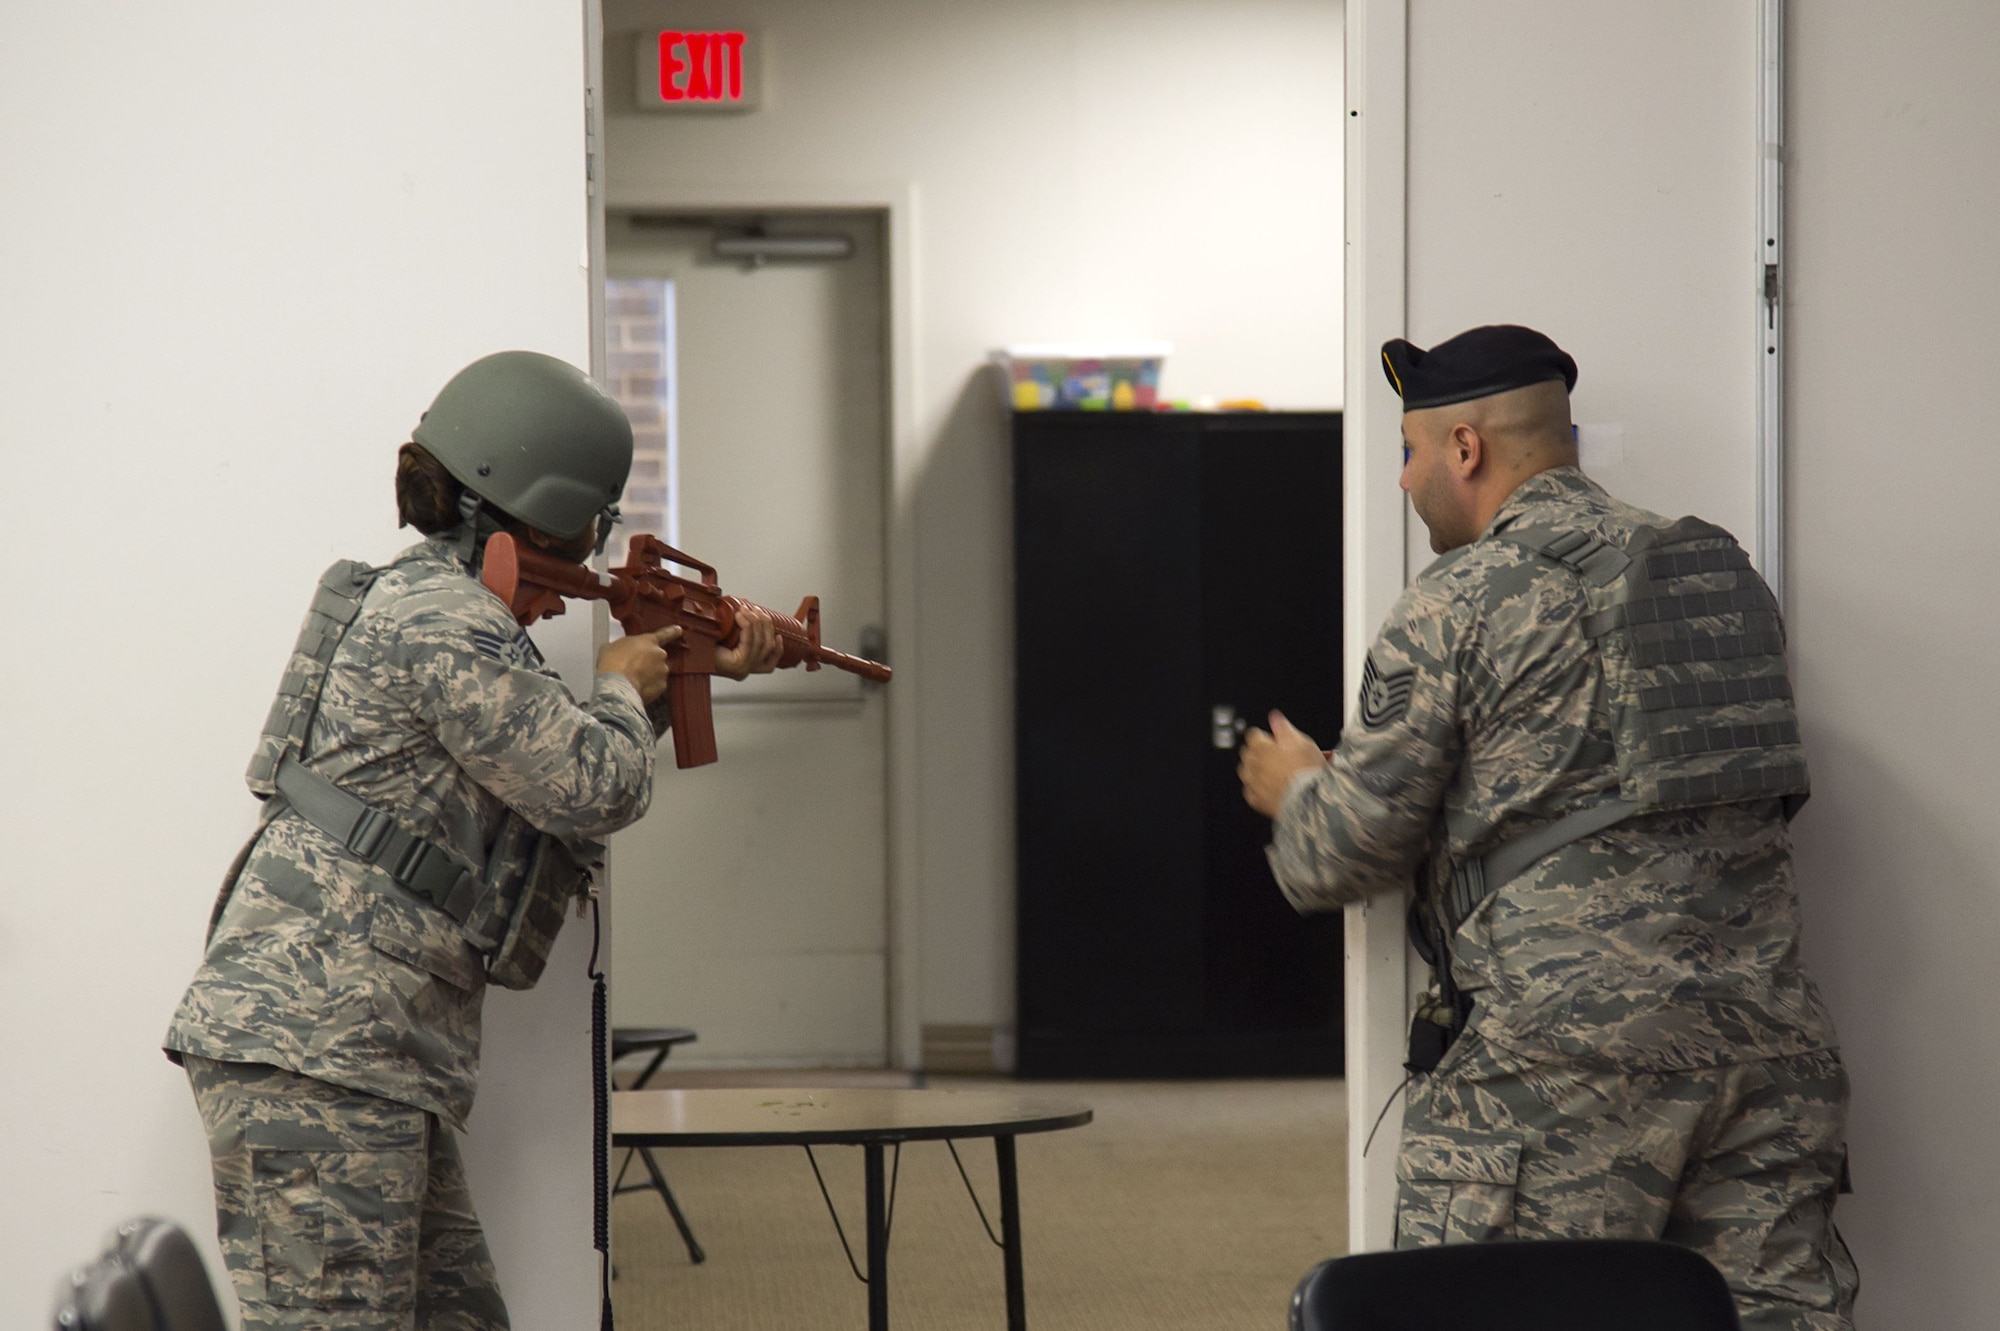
(639, 368)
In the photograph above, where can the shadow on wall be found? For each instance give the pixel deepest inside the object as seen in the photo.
(962, 515)
(1882, 879)
(963, 506)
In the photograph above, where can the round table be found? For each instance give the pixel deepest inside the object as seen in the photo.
(870, 1119)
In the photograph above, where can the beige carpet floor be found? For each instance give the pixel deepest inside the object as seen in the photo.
(1184, 1205)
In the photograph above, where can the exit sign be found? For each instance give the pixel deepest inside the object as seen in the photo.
(708, 70)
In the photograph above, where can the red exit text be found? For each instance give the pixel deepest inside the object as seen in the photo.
(701, 66)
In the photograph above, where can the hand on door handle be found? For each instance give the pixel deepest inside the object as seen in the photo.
(1271, 759)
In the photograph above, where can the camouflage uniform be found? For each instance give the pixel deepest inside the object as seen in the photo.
(339, 1208)
(1645, 1056)
(332, 1030)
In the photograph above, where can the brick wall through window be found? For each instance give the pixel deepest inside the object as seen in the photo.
(639, 370)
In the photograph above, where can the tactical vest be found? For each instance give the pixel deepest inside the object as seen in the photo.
(1701, 712)
(1694, 666)
(510, 909)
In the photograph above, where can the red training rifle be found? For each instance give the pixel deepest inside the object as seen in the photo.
(644, 596)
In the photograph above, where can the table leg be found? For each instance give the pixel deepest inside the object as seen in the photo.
(878, 1240)
(1010, 1232)
(652, 1067)
(694, 1250)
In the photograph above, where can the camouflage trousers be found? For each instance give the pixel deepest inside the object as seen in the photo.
(341, 1211)
(1740, 1163)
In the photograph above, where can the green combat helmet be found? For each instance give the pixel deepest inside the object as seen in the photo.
(535, 438)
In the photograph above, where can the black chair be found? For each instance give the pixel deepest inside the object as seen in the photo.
(169, 1263)
(107, 1295)
(661, 1040)
(150, 1279)
(1555, 1285)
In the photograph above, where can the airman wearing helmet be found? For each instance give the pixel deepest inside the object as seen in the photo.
(425, 775)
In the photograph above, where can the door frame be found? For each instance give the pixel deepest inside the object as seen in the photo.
(1380, 974)
(897, 203)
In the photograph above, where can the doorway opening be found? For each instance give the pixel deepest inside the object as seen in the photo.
(754, 898)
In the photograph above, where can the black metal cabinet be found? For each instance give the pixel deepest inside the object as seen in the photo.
(1170, 572)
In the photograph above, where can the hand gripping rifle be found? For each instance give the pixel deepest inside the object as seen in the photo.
(644, 597)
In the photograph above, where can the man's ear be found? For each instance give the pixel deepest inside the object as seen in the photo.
(1468, 450)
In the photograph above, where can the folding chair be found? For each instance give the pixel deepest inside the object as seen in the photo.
(661, 1040)
(150, 1279)
(1553, 1285)
(107, 1295)
(171, 1267)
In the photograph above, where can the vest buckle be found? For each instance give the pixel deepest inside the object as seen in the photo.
(371, 829)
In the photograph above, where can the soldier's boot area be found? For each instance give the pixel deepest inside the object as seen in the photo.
(1740, 1163)
(340, 1211)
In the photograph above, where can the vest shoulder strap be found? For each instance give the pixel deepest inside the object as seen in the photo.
(336, 603)
(416, 863)
(1475, 880)
(1598, 562)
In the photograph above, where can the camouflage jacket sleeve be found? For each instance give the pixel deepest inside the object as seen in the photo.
(662, 717)
(572, 770)
(1361, 824)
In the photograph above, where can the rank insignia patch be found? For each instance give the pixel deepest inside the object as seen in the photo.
(517, 650)
(1384, 698)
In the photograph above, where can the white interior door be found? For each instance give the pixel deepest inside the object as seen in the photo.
(752, 900)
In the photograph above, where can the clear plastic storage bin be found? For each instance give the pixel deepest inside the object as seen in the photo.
(1082, 376)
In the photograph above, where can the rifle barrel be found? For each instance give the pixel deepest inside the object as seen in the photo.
(854, 665)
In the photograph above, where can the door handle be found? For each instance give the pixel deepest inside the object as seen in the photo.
(874, 646)
(1225, 727)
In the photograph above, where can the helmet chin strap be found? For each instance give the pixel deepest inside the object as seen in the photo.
(476, 522)
(609, 517)
(468, 539)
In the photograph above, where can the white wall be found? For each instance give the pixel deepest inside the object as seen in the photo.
(244, 245)
(1081, 168)
(1893, 174)
(1590, 171)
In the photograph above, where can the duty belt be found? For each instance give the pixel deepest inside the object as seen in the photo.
(1475, 880)
(419, 865)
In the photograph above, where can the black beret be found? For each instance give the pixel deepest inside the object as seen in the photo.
(1477, 363)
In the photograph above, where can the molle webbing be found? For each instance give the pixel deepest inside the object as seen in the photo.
(1714, 692)
(1673, 735)
(1694, 662)
(334, 607)
(1677, 644)
(1596, 561)
(1664, 610)
(1703, 706)
(1783, 781)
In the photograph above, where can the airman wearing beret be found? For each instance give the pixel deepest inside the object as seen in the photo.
(1575, 736)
